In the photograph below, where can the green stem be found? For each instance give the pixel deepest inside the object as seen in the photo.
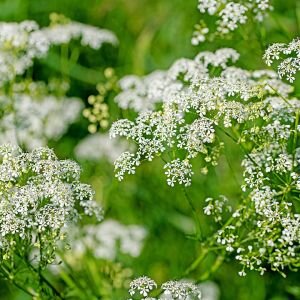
(41, 277)
(205, 251)
(10, 278)
(64, 65)
(51, 286)
(73, 70)
(218, 262)
(193, 208)
(280, 95)
(295, 137)
(196, 263)
(297, 14)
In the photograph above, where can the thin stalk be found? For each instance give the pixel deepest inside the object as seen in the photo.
(24, 289)
(197, 262)
(42, 277)
(279, 24)
(245, 151)
(193, 208)
(218, 262)
(73, 70)
(74, 55)
(41, 258)
(228, 134)
(204, 252)
(295, 137)
(51, 286)
(70, 273)
(64, 54)
(297, 14)
(281, 96)
(15, 283)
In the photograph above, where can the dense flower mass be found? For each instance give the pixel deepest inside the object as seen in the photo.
(142, 286)
(40, 196)
(180, 290)
(198, 96)
(288, 54)
(202, 115)
(198, 104)
(271, 187)
(229, 15)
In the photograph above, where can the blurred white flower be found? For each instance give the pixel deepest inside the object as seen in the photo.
(209, 290)
(88, 35)
(36, 119)
(107, 239)
(20, 43)
(100, 146)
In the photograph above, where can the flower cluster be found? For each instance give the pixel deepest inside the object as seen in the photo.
(288, 54)
(142, 286)
(36, 113)
(271, 191)
(180, 290)
(171, 290)
(216, 207)
(141, 94)
(197, 97)
(199, 100)
(40, 196)
(229, 16)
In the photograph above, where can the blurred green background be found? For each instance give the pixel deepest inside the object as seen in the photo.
(152, 35)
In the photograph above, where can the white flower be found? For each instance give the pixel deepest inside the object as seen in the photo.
(178, 171)
(209, 290)
(105, 240)
(180, 290)
(40, 195)
(193, 103)
(230, 16)
(125, 163)
(142, 285)
(141, 93)
(289, 54)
